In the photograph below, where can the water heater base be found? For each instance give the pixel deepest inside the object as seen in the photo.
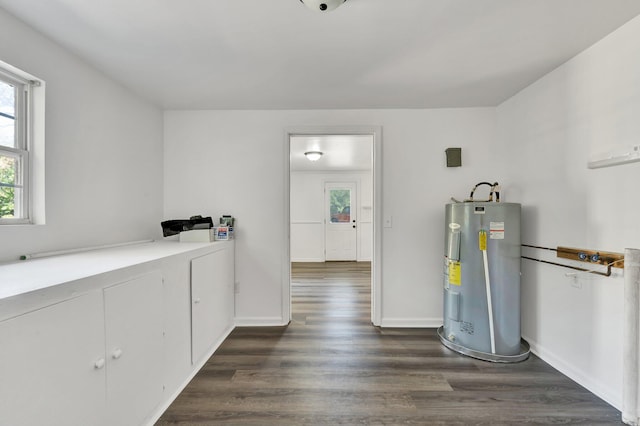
(484, 356)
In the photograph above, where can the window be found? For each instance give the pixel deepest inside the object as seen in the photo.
(340, 205)
(15, 145)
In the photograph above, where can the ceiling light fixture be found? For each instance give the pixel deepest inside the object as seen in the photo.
(322, 5)
(313, 155)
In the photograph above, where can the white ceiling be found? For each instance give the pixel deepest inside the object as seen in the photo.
(340, 152)
(277, 54)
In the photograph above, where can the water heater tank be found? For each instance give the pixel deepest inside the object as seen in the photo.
(482, 281)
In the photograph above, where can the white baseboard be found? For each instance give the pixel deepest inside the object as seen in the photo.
(308, 259)
(577, 375)
(411, 322)
(195, 369)
(260, 321)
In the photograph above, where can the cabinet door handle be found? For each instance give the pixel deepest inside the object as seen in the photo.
(98, 364)
(196, 300)
(117, 353)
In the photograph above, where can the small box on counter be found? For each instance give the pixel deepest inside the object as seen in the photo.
(197, 236)
(223, 233)
(227, 220)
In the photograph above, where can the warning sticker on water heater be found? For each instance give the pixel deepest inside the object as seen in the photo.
(455, 273)
(496, 230)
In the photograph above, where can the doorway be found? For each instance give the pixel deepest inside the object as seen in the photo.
(332, 203)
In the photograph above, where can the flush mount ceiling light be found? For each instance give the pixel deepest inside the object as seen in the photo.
(322, 5)
(313, 155)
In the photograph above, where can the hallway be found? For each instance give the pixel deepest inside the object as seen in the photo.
(331, 366)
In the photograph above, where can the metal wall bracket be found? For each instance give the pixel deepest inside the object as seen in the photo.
(604, 258)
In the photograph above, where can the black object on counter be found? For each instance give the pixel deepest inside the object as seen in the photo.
(176, 226)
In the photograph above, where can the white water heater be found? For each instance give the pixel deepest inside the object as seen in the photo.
(482, 281)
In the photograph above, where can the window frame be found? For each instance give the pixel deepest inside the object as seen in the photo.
(22, 145)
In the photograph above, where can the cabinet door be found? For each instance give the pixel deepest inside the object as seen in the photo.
(52, 365)
(211, 301)
(177, 325)
(134, 345)
(225, 300)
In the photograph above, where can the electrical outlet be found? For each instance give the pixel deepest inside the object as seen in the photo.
(575, 282)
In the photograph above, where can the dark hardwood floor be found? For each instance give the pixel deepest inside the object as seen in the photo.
(330, 366)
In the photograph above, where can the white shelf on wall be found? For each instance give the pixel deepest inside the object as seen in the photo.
(616, 158)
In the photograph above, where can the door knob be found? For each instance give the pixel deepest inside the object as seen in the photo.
(98, 364)
(354, 226)
(117, 353)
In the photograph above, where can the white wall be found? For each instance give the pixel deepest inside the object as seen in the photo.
(587, 106)
(536, 144)
(234, 162)
(103, 152)
(308, 214)
(104, 183)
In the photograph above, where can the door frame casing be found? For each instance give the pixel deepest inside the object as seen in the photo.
(376, 262)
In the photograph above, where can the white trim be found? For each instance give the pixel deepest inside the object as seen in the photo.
(376, 265)
(614, 158)
(20, 150)
(350, 172)
(578, 376)
(10, 72)
(308, 259)
(630, 344)
(30, 110)
(411, 322)
(376, 261)
(260, 321)
(21, 186)
(285, 285)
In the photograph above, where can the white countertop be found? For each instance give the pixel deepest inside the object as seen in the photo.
(35, 274)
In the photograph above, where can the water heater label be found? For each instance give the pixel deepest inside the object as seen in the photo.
(496, 230)
(455, 273)
(482, 240)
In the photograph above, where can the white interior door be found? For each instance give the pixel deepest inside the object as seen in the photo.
(340, 221)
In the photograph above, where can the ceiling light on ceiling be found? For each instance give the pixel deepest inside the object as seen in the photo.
(322, 5)
(313, 155)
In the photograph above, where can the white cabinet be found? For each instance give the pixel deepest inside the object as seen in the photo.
(177, 326)
(134, 344)
(212, 301)
(91, 360)
(117, 346)
(52, 366)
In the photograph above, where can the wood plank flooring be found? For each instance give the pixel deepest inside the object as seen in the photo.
(330, 366)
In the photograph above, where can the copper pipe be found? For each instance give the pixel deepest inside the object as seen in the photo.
(604, 274)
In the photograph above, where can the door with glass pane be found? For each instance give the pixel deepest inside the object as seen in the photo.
(340, 221)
